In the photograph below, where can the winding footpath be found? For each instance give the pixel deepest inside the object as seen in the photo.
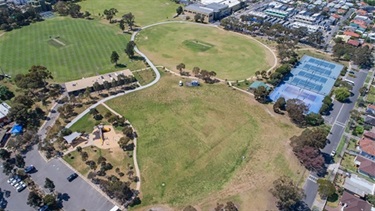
(54, 116)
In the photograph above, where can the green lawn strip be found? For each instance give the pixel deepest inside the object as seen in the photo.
(352, 144)
(88, 45)
(371, 95)
(145, 76)
(231, 56)
(145, 11)
(181, 130)
(340, 147)
(347, 162)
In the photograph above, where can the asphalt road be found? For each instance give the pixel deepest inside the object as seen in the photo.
(78, 194)
(338, 119)
(335, 28)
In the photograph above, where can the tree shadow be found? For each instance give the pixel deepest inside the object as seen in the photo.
(333, 198)
(120, 65)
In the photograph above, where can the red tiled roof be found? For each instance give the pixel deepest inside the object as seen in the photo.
(361, 12)
(353, 203)
(353, 43)
(367, 145)
(366, 166)
(350, 33)
(371, 106)
(369, 135)
(341, 11)
(359, 22)
(336, 16)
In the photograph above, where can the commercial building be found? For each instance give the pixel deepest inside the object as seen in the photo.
(310, 28)
(305, 19)
(276, 13)
(193, 9)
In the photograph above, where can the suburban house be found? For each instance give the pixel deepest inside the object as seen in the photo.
(370, 110)
(354, 43)
(370, 135)
(370, 120)
(367, 148)
(365, 166)
(358, 186)
(350, 202)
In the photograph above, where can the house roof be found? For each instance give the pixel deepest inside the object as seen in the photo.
(358, 185)
(257, 84)
(371, 106)
(336, 16)
(370, 120)
(367, 145)
(361, 12)
(352, 34)
(70, 138)
(353, 43)
(4, 109)
(352, 203)
(365, 165)
(369, 135)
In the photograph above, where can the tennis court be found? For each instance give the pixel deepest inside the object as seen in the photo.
(310, 82)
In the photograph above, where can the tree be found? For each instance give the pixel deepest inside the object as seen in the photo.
(180, 67)
(122, 24)
(196, 70)
(123, 142)
(189, 208)
(84, 156)
(197, 17)
(109, 14)
(34, 200)
(261, 94)
(279, 105)
(326, 188)
(314, 119)
(20, 162)
(316, 138)
(50, 200)
(7, 167)
(128, 131)
(296, 110)
(129, 19)
(4, 154)
(129, 50)
(114, 57)
(311, 158)
(179, 10)
(5, 93)
(371, 199)
(49, 184)
(342, 94)
(363, 90)
(288, 194)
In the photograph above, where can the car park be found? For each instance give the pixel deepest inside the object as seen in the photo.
(10, 180)
(15, 181)
(21, 187)
(72, 177)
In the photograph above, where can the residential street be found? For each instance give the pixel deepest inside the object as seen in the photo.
(338, 119)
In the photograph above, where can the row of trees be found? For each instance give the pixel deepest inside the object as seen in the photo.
(14, 18)
(128, 18)
(206, 76)
(307, 147)
(71, 8)
(361, 56)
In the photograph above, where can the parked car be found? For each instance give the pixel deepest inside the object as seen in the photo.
(44, 208)
(72, 177)
(29, 169)
(333, 153)
(21, 187)
(10, 180)
(15, 181)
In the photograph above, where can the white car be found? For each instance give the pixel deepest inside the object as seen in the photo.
(333, 153)
(10, 180)
(15, 181)
(21, 186)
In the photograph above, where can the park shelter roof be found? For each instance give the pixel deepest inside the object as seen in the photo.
(257, 84)
(88, 82)
(353, 203)
(70, 138)
(16, 129)
(358, 186)
(365, 165)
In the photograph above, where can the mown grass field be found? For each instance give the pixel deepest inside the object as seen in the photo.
(87, 122)
(77, 48)
(145, 11)
(231, 56)
(199, 143)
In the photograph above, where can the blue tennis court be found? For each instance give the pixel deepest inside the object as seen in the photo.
(310, 82)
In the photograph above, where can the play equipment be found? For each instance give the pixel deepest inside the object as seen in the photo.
(102, 130)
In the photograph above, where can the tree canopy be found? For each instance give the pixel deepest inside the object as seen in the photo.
(326, 188)
(129, 49)
(288, 194)
(342, 94)
(296, 110)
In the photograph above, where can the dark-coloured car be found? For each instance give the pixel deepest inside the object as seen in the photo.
(29, 169)
(72, 177)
